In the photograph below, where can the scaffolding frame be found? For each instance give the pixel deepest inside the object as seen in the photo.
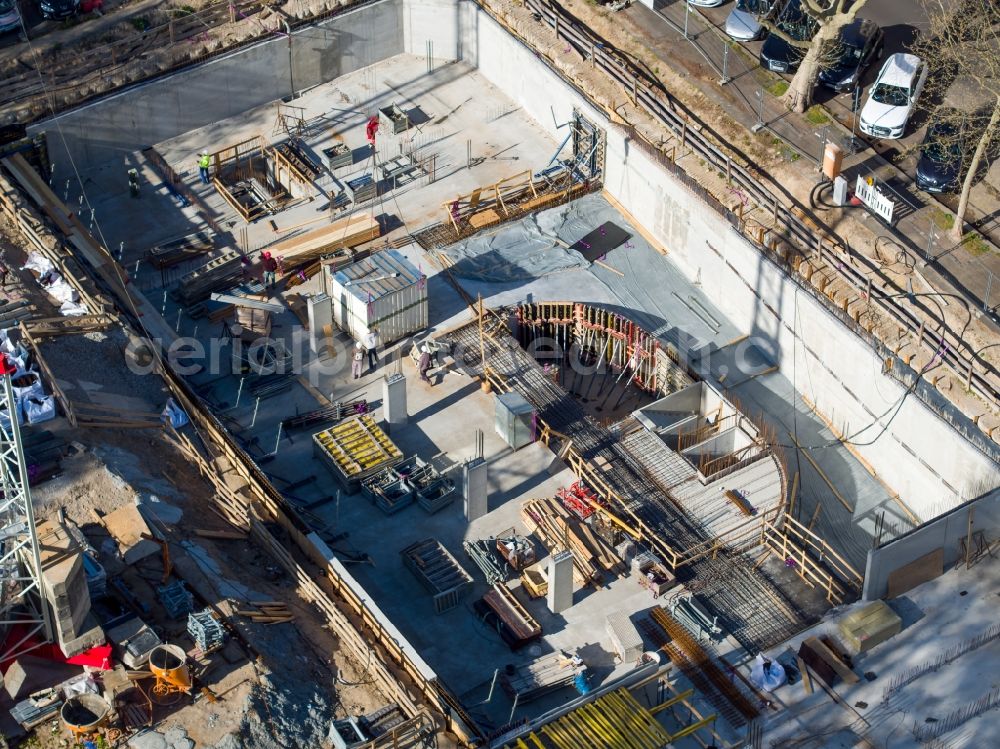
(22, 610)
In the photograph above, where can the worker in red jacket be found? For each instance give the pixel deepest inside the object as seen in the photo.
(270, 266)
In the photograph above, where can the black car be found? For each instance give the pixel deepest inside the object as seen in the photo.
(56, 10)
(777, 54)
(940, 165)
(860, 43)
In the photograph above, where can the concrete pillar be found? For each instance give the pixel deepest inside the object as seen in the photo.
(394, 399)
(320, 311)
(560, 595)
(474, 488)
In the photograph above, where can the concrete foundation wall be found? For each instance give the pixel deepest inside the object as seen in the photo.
(138, 117)
(435, 27)
(920, 456)
(945, 532)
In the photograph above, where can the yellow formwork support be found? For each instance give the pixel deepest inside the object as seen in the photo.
(616, 738)
(671, 702)
(612, 721)
(688, 730)
(626, 717)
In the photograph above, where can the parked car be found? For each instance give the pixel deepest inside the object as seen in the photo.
(893, 96)
(9, 17)
(940, 166)
(742, 22)
(56, 10)
(861, 42)
(707, 3)
(777, 54)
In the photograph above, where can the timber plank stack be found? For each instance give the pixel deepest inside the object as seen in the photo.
(520, 627)
(267, 612)
(347, 232)
(215, 275)
(557, 528)
(180, 250)
(548, 673)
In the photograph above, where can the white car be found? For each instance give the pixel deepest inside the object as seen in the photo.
(707, 3)
(893, 96)
(743, 23)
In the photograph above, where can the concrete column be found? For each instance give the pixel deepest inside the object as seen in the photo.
(320, 311)
(560, 595)
(394, 399)
(474, 486)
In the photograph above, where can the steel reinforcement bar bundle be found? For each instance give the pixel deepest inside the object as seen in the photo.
(649, 94)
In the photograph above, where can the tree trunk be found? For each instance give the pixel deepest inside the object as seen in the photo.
(799, 96)
(970, 177)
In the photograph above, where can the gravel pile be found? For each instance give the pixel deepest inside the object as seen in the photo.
(93, 365)
(293, 697)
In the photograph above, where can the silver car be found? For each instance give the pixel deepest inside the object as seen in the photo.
(742, 23)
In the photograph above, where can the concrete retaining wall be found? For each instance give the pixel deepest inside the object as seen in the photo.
(944, 532)
(920, 456)
(140, 116)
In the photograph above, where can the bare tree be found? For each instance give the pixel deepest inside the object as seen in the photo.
(829, 17)
(962, 49)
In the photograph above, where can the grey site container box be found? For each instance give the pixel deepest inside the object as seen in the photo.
(393, 120)
(337, 156)
(514, 419)
(362, 188)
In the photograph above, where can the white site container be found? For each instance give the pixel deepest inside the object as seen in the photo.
(383, 290)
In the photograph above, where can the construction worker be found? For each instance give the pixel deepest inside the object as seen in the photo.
(204, 161)
(270, 265)
(357, 359)
(370, 340)
(424, 364)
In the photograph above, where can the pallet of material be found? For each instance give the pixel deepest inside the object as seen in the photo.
(516, 626)
(438, 571)
(346, 232)
(299, 160)
(548, 673)
(337, 156)
(392, 497)
(389, 488)
(558, 528)
(168, 254)
(825, 663)
(741, 503)
(534, 581)
(355, 449)
(30, 713)
(437, 495)
(267, 612)
(255, 323)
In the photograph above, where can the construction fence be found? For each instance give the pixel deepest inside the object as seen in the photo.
(161, 41)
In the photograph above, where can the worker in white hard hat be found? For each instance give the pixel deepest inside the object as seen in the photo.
(424, 364)
(357, 360)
